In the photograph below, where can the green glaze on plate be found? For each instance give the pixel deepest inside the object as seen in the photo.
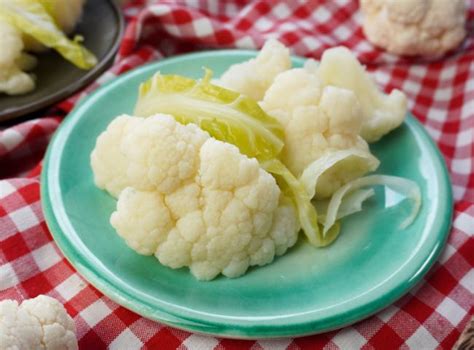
(306, 291)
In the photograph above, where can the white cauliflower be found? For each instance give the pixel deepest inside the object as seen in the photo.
(107, 160)
(380, 113)
(253, 77)
(192, 200)
(38, 323)
(318, 121)
(13, 80)
(415, 27)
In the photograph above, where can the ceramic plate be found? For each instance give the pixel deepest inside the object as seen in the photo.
(56, 77)
(306, 291)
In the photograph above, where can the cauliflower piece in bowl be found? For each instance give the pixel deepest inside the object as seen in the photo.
(318, 120)
(253, 77)
(380, 113)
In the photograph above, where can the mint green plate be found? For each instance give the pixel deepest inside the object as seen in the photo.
(306, 291)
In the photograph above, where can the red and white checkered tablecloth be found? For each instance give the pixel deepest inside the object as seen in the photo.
(441, 95)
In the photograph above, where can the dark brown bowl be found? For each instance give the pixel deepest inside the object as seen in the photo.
(101, 26)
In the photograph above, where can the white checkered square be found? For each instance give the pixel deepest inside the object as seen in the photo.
(410, 87)
(70, 287)
(434, 133)
(263, 24)
(422, 339)
(381, 77)
(447, 73)
(458, 192)
(448, 252)
(438, 114)
(451, 311)
(343, 32)
(246, 42)
(274, 344)
(417, 72)
(8, 277)
(6, 189)
(202, 27)
(10, 138)
(468, 281)
(349, 339)
(462, 166)
(213, 6)
(311, 43)
(126, 340)
(46, 256)
(386, 314)
(95, 313)
(281, 11)
(467, 109)
(288, 27)
(465, 137)
(200, 342)
(159, 9)
(321, 14)
(443, 94)
(24, 218)
(172, 29)
(465, 223)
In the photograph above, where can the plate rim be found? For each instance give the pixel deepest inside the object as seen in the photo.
(239, 331)
(87, 78)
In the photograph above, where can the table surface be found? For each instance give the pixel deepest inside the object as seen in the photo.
(441, 96)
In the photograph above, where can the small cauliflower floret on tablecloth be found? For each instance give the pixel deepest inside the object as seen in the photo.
(38, 323)
(415, 27)
(195, 201)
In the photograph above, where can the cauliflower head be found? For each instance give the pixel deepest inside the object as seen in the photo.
(38, 323)
(381, 113)
(318, 120)
(415, 27)
(253, 77)
(13, 80)
(192, 200)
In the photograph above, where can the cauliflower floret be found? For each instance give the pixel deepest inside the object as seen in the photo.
(107, 161)
(195, 201)
(381, 113)
(39, 323)
(317, 121)
(415, 27)
(13, 80)
(253, 77)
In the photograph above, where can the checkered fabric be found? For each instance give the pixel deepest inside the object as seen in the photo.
(441, 95)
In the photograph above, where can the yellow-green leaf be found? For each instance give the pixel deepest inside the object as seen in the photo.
(31, 18)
